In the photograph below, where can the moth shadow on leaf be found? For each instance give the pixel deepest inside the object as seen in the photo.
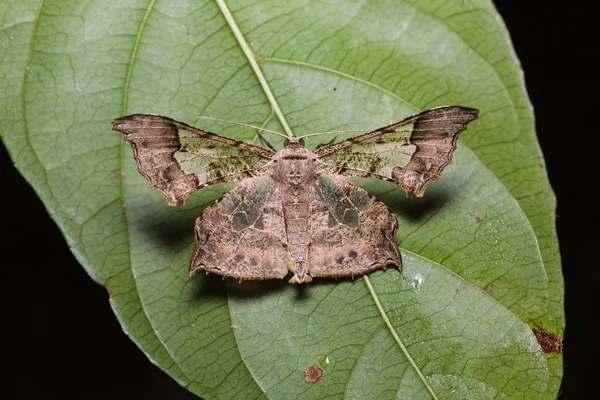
(253, 289)
(412, 209)
(302, 292)
(173, 227)
(170, 229)
(213, 286)
(417, 209)
(208, 287)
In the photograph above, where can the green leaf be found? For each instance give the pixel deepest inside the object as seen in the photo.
(481, 263)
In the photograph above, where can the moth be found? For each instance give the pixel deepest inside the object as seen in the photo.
(294, 209)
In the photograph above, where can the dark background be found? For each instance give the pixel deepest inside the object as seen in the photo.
(60, 338)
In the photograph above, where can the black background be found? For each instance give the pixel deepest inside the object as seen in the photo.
(60, 339)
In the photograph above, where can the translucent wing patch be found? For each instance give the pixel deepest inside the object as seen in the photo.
(243, 234)
(351, 233)
(410, 153)
(343, 201)
(177, 158)
(245, 208)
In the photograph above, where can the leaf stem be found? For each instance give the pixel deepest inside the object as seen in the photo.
(397, 338)
(252, 60)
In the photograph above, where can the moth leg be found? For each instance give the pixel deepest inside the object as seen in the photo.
(296, 279)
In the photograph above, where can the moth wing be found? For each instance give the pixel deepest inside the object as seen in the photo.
(411, 157)
(177, 159)
(351, 232)
(242, 235)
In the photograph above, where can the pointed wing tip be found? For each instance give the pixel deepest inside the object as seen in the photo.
(120, 124)
(116, 123)
(128, 117)
(465, 108)
(473, 111)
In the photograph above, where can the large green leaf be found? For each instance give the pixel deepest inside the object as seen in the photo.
(481, 262)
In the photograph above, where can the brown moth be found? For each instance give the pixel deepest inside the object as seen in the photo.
(294, 209)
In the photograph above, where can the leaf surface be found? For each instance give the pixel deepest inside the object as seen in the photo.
(481, 262)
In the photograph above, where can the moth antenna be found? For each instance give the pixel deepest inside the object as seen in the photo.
(326, 143)
(350, 131)
(242, 124)
(336, 132)
(265, 141)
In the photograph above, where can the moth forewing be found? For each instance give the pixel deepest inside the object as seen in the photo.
(410, 153)
(177, 158)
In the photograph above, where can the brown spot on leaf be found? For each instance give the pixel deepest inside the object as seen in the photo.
(313, 374)
(109, 290)
(548, 342)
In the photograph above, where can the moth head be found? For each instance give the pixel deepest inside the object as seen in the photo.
(293, 142)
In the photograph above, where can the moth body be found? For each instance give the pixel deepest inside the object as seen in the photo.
(294, 174)
(294, 209)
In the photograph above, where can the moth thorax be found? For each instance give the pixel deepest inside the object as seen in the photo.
(295, 166)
